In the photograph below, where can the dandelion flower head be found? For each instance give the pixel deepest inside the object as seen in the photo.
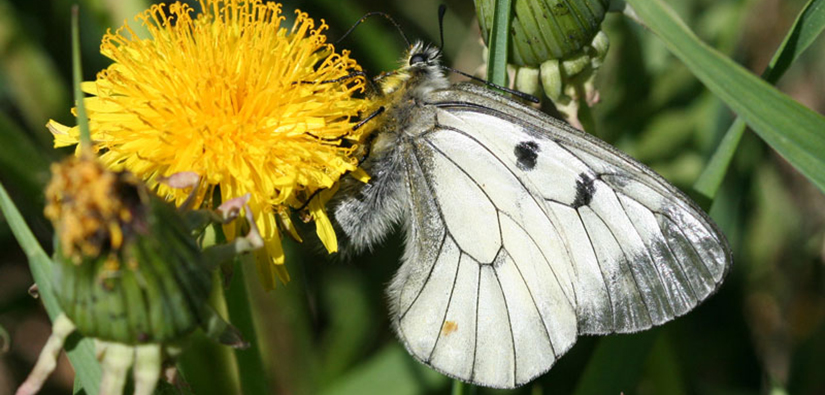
(230, 94)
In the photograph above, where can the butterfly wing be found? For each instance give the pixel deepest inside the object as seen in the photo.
(524, 233)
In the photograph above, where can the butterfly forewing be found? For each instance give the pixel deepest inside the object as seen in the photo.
(524, 233)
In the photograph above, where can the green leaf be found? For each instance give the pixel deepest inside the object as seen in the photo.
(790, 128)
(80, 351)
(390, 371)
(807, 27)
(498, 43)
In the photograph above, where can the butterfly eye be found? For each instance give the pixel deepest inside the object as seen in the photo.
(417, 58)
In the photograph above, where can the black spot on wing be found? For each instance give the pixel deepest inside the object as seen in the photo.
(526, 154)
(584, 191)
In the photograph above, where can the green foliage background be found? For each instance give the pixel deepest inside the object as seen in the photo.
(327, 331)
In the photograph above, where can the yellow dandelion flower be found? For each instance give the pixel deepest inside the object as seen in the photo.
(230, 94)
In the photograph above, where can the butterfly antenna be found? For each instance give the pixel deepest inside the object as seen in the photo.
(374, 13)
(442, 9)
(513, 92)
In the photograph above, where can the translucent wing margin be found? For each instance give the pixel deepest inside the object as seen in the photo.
(524, 232)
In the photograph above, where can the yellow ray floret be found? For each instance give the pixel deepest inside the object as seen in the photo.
(232, 95)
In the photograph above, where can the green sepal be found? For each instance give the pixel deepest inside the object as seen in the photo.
(157, 293)
(221, 331)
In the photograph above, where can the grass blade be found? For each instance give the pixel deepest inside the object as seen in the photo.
(80, 351)
(807, 27)
(790, 128)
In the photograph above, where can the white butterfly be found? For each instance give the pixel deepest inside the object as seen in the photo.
(521, 232)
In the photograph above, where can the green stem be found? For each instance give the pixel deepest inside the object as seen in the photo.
(498, 43)
(77, 78)
(253, 377)
(204, 357)
(458, 387)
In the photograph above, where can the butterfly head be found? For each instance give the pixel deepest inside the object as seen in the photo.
(421, 57)
(419, 73)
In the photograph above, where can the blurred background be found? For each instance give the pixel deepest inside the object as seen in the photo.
(327, 331)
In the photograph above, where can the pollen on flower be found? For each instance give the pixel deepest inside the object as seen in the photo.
(230, 94)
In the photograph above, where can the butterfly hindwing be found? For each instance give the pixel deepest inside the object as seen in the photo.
(504, 310)
(523, 233)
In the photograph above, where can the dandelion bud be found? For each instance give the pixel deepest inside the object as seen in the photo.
(558, 44)
(127, 269)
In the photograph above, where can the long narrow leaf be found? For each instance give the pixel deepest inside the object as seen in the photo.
(807, 27)
(82, 355)
(794, 131)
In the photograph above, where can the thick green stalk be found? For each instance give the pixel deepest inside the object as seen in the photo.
(498, 43)
(251, 370)
(458, 387)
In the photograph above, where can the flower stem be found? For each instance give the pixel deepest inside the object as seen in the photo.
(253, 377)
(498, 43)
(458, 387)
(77, 77)
(203, 357)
